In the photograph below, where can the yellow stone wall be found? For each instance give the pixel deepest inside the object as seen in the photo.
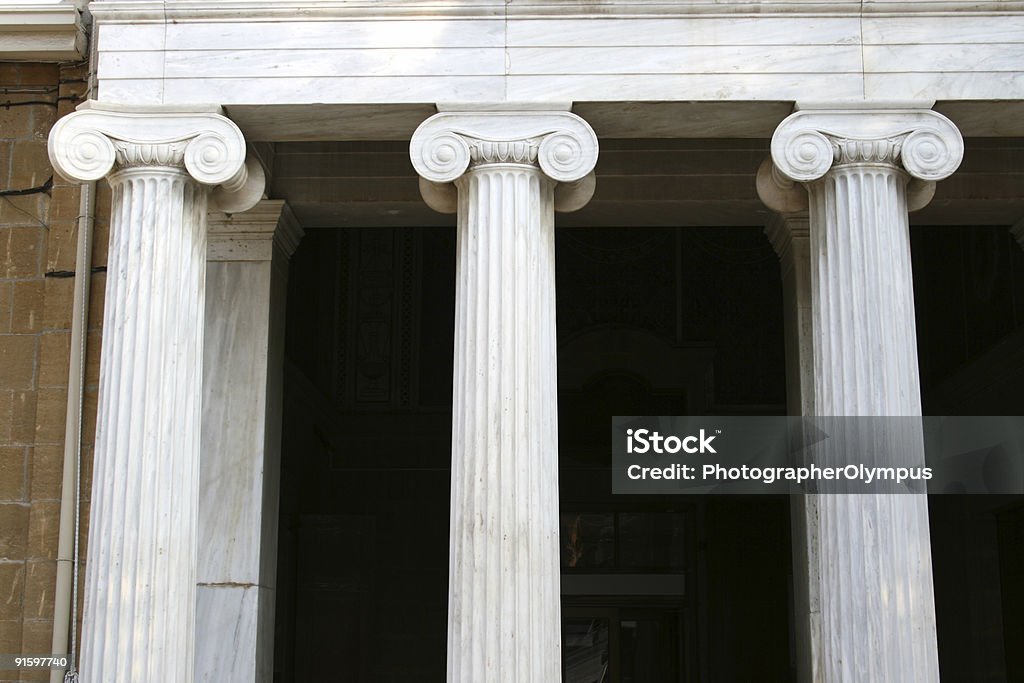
(38, 233)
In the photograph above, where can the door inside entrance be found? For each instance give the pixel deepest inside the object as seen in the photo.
(623, 644)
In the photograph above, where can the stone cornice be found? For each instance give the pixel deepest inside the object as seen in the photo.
(99, 139)
(809, 143)
(560, 143)
(298, 10)
(41, 32)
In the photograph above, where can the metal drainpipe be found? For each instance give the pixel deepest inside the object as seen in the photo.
(65, 597)
(66, 592)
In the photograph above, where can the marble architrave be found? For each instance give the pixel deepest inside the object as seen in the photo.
(243, 355)
(870, 611)
(505, 173)
(139, 620)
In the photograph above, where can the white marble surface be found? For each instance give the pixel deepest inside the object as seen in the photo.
(41, 30)
(139, 617)
(240, 453)
(232, 613)
(503, 600)
(866, 611)
(626, 51)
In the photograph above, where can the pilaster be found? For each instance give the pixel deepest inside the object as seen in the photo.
(511, 171)
(139, 620)
(789, 234)
(246, 284)
(868, 560)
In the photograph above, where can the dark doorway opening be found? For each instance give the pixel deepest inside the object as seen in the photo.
(651, 321)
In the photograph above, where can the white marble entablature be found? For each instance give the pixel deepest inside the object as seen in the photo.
(561, 144)
(100, 139)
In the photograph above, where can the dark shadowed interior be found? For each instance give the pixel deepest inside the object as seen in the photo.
(651, 321)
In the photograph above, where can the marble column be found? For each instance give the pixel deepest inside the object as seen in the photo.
(161, 163)
(505, 173)
(243, 356)
(870, 612)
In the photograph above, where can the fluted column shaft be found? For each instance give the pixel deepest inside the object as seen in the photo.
(870, 614)
(874, 555)
(862, 294)
(504, 622)
(503, 618)
(140, 574)
(139, 620)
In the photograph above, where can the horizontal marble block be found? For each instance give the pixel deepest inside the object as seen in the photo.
(304, 35)
(962, 85)
(696, 30)
(299, 62)
(1007, 27)
(972, 58)
(397, 89)
(701, 59)
(770, 87)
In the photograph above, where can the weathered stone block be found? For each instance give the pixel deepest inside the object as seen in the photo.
(16, 122)
(6, 297)
(27, 308)
(50, 411)
(23, 417)
(13, 530)
(10, 629)
(60, 299)
(18, 356)
(32, 167)
(38, 73)
(40, 584)
(28, 211)
(6, 411)
(47, 468)
(20, 247)
(12, 586)
(61, 248)
(43, 530)
(54, 358)
(12, 473)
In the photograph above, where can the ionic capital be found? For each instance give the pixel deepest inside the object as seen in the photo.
(562, 145)
(99, 140)
(921, 142)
